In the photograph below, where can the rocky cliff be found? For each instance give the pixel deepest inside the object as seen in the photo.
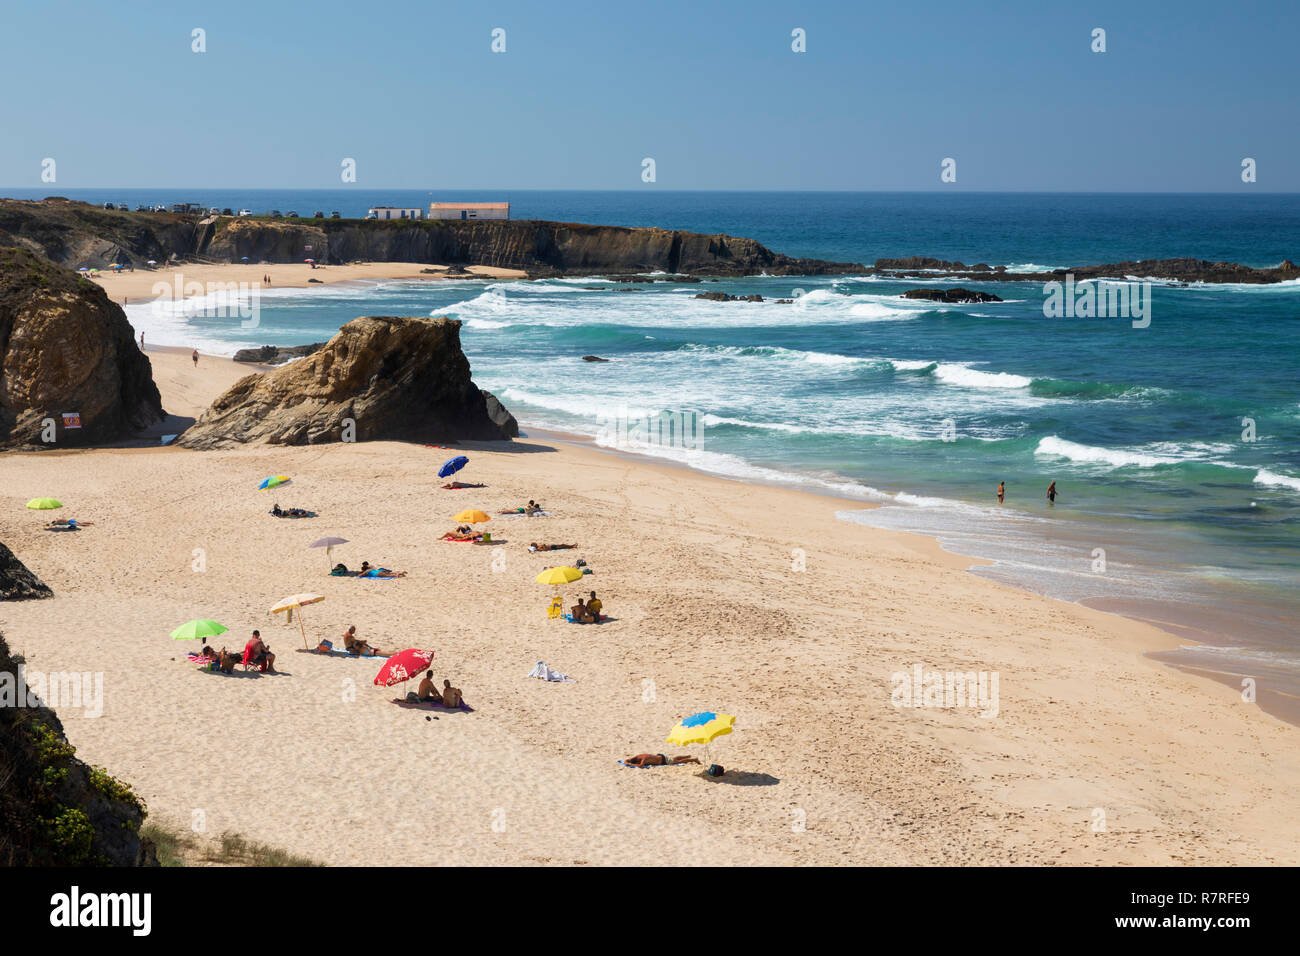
(76, 234)
(1172, 270)
(380, 378)
(54, 809)
(17, 583)
(65, 348)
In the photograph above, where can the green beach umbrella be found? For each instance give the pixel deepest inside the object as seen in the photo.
(44, 504)
(193, 630)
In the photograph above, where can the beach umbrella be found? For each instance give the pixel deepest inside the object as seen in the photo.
(116, 265)
(453, 465)
(309, 260)
(243, 258)
(297, 601)
(701, 728)
(83, 269)
(327, 544)
(44, 504)
(472, 515)
(402, 666)
(563, 574)
(153, 262)
(274, 481)
(193, 630)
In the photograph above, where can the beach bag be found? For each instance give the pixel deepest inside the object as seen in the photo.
(325, 647)
(580, 563)
(715, 770)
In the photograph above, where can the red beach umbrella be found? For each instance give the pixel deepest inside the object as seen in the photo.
(402, 666)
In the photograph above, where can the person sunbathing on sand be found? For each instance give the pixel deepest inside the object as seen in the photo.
(551, 547)
(256, 652)
(532, 508)
(226, 661)
(582, 614)
(357, 647)
(368, 572)
(454, 485)
(463, 534)
(657, 760)
(450, 695)
(594, 606)
(69, 523)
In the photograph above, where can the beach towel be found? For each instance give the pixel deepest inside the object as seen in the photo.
(403, 702)
(573, 620)
(543, 672)
(521, 514)
(649, 766)
(306, 514)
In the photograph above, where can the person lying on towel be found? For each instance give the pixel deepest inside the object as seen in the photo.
(368, 572)
(357, 647)
(657, 760)
(551, 547)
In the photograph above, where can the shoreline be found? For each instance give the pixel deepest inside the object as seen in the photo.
(139, 287)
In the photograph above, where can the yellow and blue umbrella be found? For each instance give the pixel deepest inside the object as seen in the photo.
(701, 728)
(274, 481)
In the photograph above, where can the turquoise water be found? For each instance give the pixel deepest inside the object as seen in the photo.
(854, 391)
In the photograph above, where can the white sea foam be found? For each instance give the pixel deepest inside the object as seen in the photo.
(1055, 447)
(1266, 477)
(966, 377)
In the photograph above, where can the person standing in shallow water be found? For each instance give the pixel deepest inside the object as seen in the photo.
(1002, 490)
(1051, 494)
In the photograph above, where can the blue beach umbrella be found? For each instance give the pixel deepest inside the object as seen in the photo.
(452, 466)
(274, 482)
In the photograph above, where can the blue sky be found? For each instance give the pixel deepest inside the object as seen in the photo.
(711, 90)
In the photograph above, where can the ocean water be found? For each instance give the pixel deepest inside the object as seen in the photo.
(1175, 447)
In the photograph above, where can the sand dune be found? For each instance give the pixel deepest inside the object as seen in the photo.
(708, 613)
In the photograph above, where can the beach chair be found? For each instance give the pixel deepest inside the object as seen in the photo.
(248, 665)
(556, 608)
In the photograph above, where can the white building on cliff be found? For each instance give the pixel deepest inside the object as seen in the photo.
(469, 210)
(395, 212)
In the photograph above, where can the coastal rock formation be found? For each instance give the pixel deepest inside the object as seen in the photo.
(276, 355)
(1174, 270)
(594, 358)
(77, 234)
(16, 582)
(500, 414)
(955, 295)
(724, 297)
(928, 264)
(66, 349)
(379, 378)
(54, 809)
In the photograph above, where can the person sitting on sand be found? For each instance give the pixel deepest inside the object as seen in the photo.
(594, 606)
(551, 547)
(451, 698)
(368, 572)
(532, 508)
(427, 693)
(256, 652)
(581, 613)
(357, 647)
(657, 760)
(226, 661)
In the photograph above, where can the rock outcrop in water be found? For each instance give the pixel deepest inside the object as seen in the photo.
(54, 809)
(66, 349)
(77, 234)
(276, 355)
(17, 583)
(380, 378)
(955, 295)
(1173, 270)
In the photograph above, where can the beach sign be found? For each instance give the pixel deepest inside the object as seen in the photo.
(71, 419)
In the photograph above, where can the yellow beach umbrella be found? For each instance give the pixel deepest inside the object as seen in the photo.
(701, 728)
(559, 575)
(297, 601)
(473, 516)
(44, 504)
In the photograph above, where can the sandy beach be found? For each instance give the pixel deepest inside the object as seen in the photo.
(708, 608)
(138, 286)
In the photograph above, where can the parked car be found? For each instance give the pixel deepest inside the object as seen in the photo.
(160, 207)
(291, 214)
(227, 212)
(142, 208)
(275, 214)
(245, 212)
(109, 205)
(335, 215)
(318, 214)
(371, 215)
